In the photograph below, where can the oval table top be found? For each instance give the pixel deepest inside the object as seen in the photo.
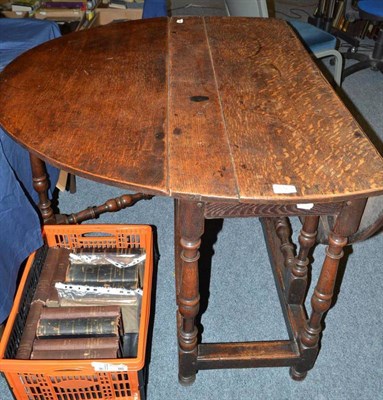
(211, 108)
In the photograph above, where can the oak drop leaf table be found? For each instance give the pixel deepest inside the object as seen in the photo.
(230, 117)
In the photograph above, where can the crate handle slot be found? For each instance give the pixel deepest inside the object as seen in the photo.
(96, 234)
(75, 383)
(68, 370)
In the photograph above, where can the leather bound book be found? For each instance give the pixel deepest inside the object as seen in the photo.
(103, 275)
(80, 312)
(60, 272)
(92, 343)
(55, 257)
(78, 327)
(29, 331)
(129, 265)
(130, 318)
(74, 354)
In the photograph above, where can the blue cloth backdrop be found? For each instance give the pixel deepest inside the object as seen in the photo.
(154, 8)
(20, 232)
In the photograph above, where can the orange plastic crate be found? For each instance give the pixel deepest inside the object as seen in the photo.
(120, 379)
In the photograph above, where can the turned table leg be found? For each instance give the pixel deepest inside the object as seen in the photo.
(177, 249)
(189, 226)
(296, 277)
(41, 186)
(346, 224)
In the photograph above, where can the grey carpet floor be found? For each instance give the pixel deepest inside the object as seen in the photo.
(242, 301)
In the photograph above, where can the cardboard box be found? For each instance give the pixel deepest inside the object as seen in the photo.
(105, 16)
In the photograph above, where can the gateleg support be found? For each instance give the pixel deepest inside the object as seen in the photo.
(346, 225)
(189, 226)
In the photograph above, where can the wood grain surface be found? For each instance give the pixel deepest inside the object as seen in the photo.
(210, 108)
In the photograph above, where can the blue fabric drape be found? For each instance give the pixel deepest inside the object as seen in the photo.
(154, 8)
(20, 228)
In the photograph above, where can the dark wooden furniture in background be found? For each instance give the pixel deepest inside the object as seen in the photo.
(216, 113)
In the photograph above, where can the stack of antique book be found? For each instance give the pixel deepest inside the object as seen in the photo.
(86, 305)
(29, 6)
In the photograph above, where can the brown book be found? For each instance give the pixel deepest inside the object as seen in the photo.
(91, 343)
(130, 318)
(58, 276)
(80, 312)
(124, 256)
(131, 321)
(103, 275)
(55, 257)
(29, 331)
(74, 354)
(80, 327)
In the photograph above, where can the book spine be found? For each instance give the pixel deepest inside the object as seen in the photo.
(130, 315)
(78, 327)
(93, 343)
(74, 354)
(129, 345)
(58, 276)
(84, 273)
(54, 257)
(28, 335)
(64, 4)
(80, 312)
